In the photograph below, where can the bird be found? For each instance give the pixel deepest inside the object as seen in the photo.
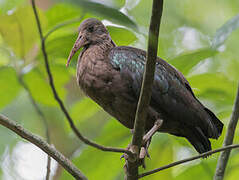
(112, 76)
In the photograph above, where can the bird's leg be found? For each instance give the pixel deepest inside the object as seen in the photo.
(147, 139)
(145, 143)
(152, 131)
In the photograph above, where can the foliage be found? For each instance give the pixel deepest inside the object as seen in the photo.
(203, 45)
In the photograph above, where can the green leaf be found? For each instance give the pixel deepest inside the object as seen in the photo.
(113, 134)
(107, 12)
(39, 87)
(6, 5)
(16, 32)
(216, 87)
(84, 109)
(203, 169)
(9, 85)
(186, 62)
(60, 46)
(141, 12)
(225, 31)
(68, 12)
(112, 3)
(232, 69)
(121, 36)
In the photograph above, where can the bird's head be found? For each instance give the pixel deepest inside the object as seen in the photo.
(91, 31)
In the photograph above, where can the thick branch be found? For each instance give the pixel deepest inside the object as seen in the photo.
(146, 89)
(229, 147)
(60, 102)
(224, 156)
(39, 142)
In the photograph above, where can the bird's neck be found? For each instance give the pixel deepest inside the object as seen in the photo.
(98, 50)
(104, 43)
(93, 55)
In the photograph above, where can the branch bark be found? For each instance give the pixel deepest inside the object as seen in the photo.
(58, 99)
(146, 89)
(39, 142)
(224, 149)
(224, 156)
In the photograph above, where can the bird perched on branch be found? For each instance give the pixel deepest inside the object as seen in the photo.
(112, 75)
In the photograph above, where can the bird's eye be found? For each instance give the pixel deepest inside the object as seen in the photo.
(91, 29)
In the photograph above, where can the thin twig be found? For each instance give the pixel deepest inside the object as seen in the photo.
(224, 156)
(60, 102)
(43, 118)
(39, 142)
(188, 160)
(146, 88)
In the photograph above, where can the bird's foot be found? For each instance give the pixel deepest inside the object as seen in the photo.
(129, 148)
(147, 140)
(145, 144)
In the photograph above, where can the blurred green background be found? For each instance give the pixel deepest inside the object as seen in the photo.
(200, 38)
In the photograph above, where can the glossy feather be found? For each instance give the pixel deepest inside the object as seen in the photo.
(112, 77)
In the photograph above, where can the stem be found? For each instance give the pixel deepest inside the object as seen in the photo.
(189, 159)
(224, 156)
(146, 88)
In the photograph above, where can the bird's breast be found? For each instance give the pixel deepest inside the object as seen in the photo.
(95, 76)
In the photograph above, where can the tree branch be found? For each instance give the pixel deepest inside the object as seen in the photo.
(39, 142)
(224, 156)
(60, 102)
(146, 88)
(229, 147)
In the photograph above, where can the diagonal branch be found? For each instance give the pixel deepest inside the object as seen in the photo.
(146, 89)
(229, 147)
(224, 156)
(39, 142)
(60, 102)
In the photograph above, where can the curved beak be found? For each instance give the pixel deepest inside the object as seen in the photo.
(80, 42)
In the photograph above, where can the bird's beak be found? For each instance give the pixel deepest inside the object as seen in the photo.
(80, 42)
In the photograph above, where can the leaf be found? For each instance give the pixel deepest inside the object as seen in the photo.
(121, 36)
(104, 11)
(232, 69)
(159, 157)
(8, 6)
(216, 87)
(40, 88)
(84, 109)
(141, 12)
(225, 31)
(68, 12)
(186, 62)
(203, 170)
(16, 32)
(60, 46)
(107, 166)
(9, 85)
(112, 3)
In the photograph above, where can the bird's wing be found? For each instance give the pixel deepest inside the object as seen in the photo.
(171, 92)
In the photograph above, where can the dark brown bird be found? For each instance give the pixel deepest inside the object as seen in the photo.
(112, 77)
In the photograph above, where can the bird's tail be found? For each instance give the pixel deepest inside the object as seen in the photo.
(217, 124)
(196, 137)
